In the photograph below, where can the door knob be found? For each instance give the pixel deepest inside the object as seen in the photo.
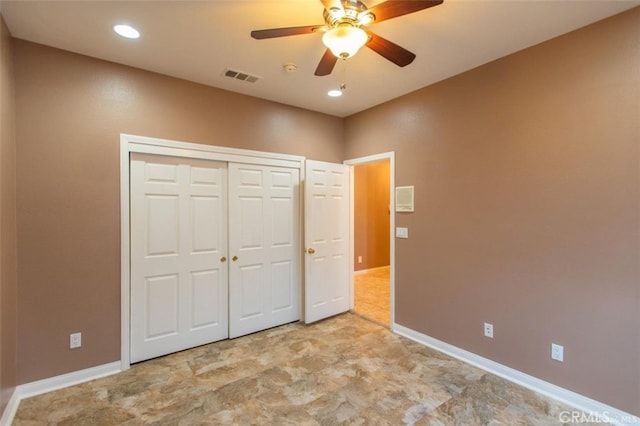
(311, 251)
(234, 258)
(223, 259)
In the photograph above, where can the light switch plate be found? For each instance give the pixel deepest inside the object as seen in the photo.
(402, 232)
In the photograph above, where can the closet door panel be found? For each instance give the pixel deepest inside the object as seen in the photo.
(179, 283)
(264, 240)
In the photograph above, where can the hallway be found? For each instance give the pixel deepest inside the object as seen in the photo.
(372, 295)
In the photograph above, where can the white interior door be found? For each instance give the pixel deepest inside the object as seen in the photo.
(326, 240)
(179, 277)
(264, 229)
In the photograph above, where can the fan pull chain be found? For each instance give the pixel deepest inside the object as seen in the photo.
(343, 85)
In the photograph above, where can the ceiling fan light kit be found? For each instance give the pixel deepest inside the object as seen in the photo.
(344, 34)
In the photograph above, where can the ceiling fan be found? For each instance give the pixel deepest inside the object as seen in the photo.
(344, 34)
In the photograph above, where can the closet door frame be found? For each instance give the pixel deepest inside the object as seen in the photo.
(146, 145)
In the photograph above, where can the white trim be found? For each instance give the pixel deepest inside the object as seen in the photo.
(370, 270)
(391, 156)
(54, 383)
(10, 410)
(65, 380)
(565, 396)
(352, 239)
(146, 145)
(303, 243)
(125, 255)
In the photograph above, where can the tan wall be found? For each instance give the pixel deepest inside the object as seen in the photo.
(8, 229)
(371, 218)
(527, 188)
(70, 112)
(526, 173)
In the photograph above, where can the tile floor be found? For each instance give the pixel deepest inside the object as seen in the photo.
(372, 295)
(343, 370)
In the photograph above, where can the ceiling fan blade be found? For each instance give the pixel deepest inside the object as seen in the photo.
(394, 8)
(283, 32)
(326, 64)
(388, 50)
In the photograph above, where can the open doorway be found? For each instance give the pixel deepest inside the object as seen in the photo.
(371, 240)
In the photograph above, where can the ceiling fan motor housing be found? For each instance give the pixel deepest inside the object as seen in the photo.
(353, 13)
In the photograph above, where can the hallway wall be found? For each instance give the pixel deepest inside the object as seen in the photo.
(371, 221)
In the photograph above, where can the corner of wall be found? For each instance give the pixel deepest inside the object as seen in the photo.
(8, 227)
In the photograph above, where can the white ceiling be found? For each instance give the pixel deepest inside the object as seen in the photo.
(198, 40)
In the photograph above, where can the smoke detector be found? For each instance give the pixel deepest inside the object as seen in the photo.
(290, 67)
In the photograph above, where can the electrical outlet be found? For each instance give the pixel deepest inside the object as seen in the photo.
(75, 340)
(359, 259)
(557, 352)
(488, 330)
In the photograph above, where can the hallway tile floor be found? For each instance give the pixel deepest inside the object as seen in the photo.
(372, 295)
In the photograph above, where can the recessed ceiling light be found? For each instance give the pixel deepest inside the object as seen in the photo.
(126, 31)
(334, 93)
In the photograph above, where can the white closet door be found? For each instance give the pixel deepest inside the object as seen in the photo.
(179, 274)
(264, 235)
(326, 239)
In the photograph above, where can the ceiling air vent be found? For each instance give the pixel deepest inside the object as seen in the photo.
(239, 75)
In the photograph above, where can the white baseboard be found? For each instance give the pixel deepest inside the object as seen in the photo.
(365, 271)
(54, 383)
(597, 410)
(10, 410)
(601, 411)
